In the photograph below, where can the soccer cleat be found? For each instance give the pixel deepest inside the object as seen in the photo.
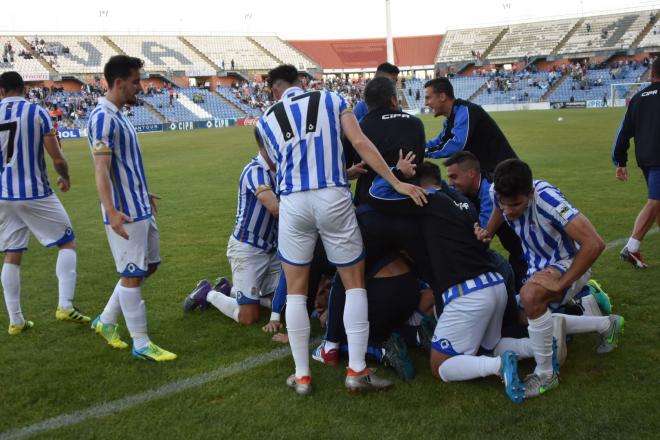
(365, 380)
(153, 353)
(72, 315)
(109, 332)
(326, 357)
(17, 329)
(634, 258)
(303, 386)
(602, 298)
(559, 350)
(223, 285)
(535, 385)
(425, 332)
(609, 339)
(395, 355)
(509, 373)
(197, 298)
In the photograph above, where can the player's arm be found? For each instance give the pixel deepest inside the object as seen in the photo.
(592, 245)
(486, 234)
(116, 218)
(59, 162)
(267, 197)
(460, 132)
(622, 144)
(367, 150)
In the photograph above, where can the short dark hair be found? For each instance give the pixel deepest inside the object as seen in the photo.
(464, 157)
(656, 67)
(441, 85)
(120, 67)
(285, 72)
(12, 81)
(429, 171)
(387, 68)
(379, 92)
(513, 178)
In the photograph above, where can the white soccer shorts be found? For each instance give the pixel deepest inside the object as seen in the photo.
(254, 272)
(142, 249)
(45, 218)
(471, 321)
(327, 212)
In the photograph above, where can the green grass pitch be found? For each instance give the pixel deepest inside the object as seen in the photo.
(58, 368)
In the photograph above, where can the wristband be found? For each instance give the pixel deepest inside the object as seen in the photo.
(275, 316)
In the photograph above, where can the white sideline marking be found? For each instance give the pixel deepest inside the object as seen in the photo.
(176, 387)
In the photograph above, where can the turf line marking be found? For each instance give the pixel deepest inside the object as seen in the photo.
(115, 406)
(176, 387)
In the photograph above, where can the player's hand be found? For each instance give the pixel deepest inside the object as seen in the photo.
(414, 192)
(406, 164)
(63, 183)
(357, 170)
(282, 338)
(272, 327)
(117, 220)
(482, 234)
(548, 279)
(622, 174)
(152, 201)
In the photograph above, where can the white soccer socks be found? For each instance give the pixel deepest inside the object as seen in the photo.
(227, 305)
(135, 314)
(356, 323)
(585, 324)
(465, 367)
(110, 313)
(65, 269)
(633, 245)
(298, 328)
(540, 335)
(11, 286)
(522, 347)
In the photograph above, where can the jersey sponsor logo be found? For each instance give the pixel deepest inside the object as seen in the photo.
(564, 211)
(394, 116)
(649, 93)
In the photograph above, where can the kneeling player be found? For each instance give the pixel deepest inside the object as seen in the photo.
(251, 250)
(561, 246)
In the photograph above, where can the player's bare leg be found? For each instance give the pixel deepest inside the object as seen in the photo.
(298, 326)
(649, 215)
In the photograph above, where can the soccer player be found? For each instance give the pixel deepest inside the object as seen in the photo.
(385, 70)
(128, 208)
(27, 202)
(467, 127)
(561, 245)
(251, 250)
(641, 122)
(301, 134)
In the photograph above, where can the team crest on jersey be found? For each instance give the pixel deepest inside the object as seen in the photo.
(564, 211)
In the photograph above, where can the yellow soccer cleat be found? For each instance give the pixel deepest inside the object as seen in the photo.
(109, 333)
(72, 315)
(15, 329)
(153, 353)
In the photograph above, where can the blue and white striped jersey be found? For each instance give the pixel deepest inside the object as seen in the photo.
(541, 228)
(254, 224)
(302, 135)
(111, 133)
(22, 165)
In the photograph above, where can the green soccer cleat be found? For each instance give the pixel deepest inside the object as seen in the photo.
(535, 385)
(602, 298)
(109, 333)
(72, 315)
(609, 339)
(17, 329)
(153, 353)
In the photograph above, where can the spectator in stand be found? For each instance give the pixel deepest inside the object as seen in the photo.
(232, 64)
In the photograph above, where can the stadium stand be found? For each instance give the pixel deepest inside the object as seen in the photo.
(77, 54)
(520, 88)
(594, 84)
(221, 50)
(467, 44)
(652, 39)
(284, 52)
(20, 59)
(606, 32)
(229, 94)
(531, 39)
(211, 103)
(163, 53)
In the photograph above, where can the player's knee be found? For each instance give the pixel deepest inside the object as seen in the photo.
(69, 245)
(530, 297)
(13, 258)
(248, 314)
(437, 359)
